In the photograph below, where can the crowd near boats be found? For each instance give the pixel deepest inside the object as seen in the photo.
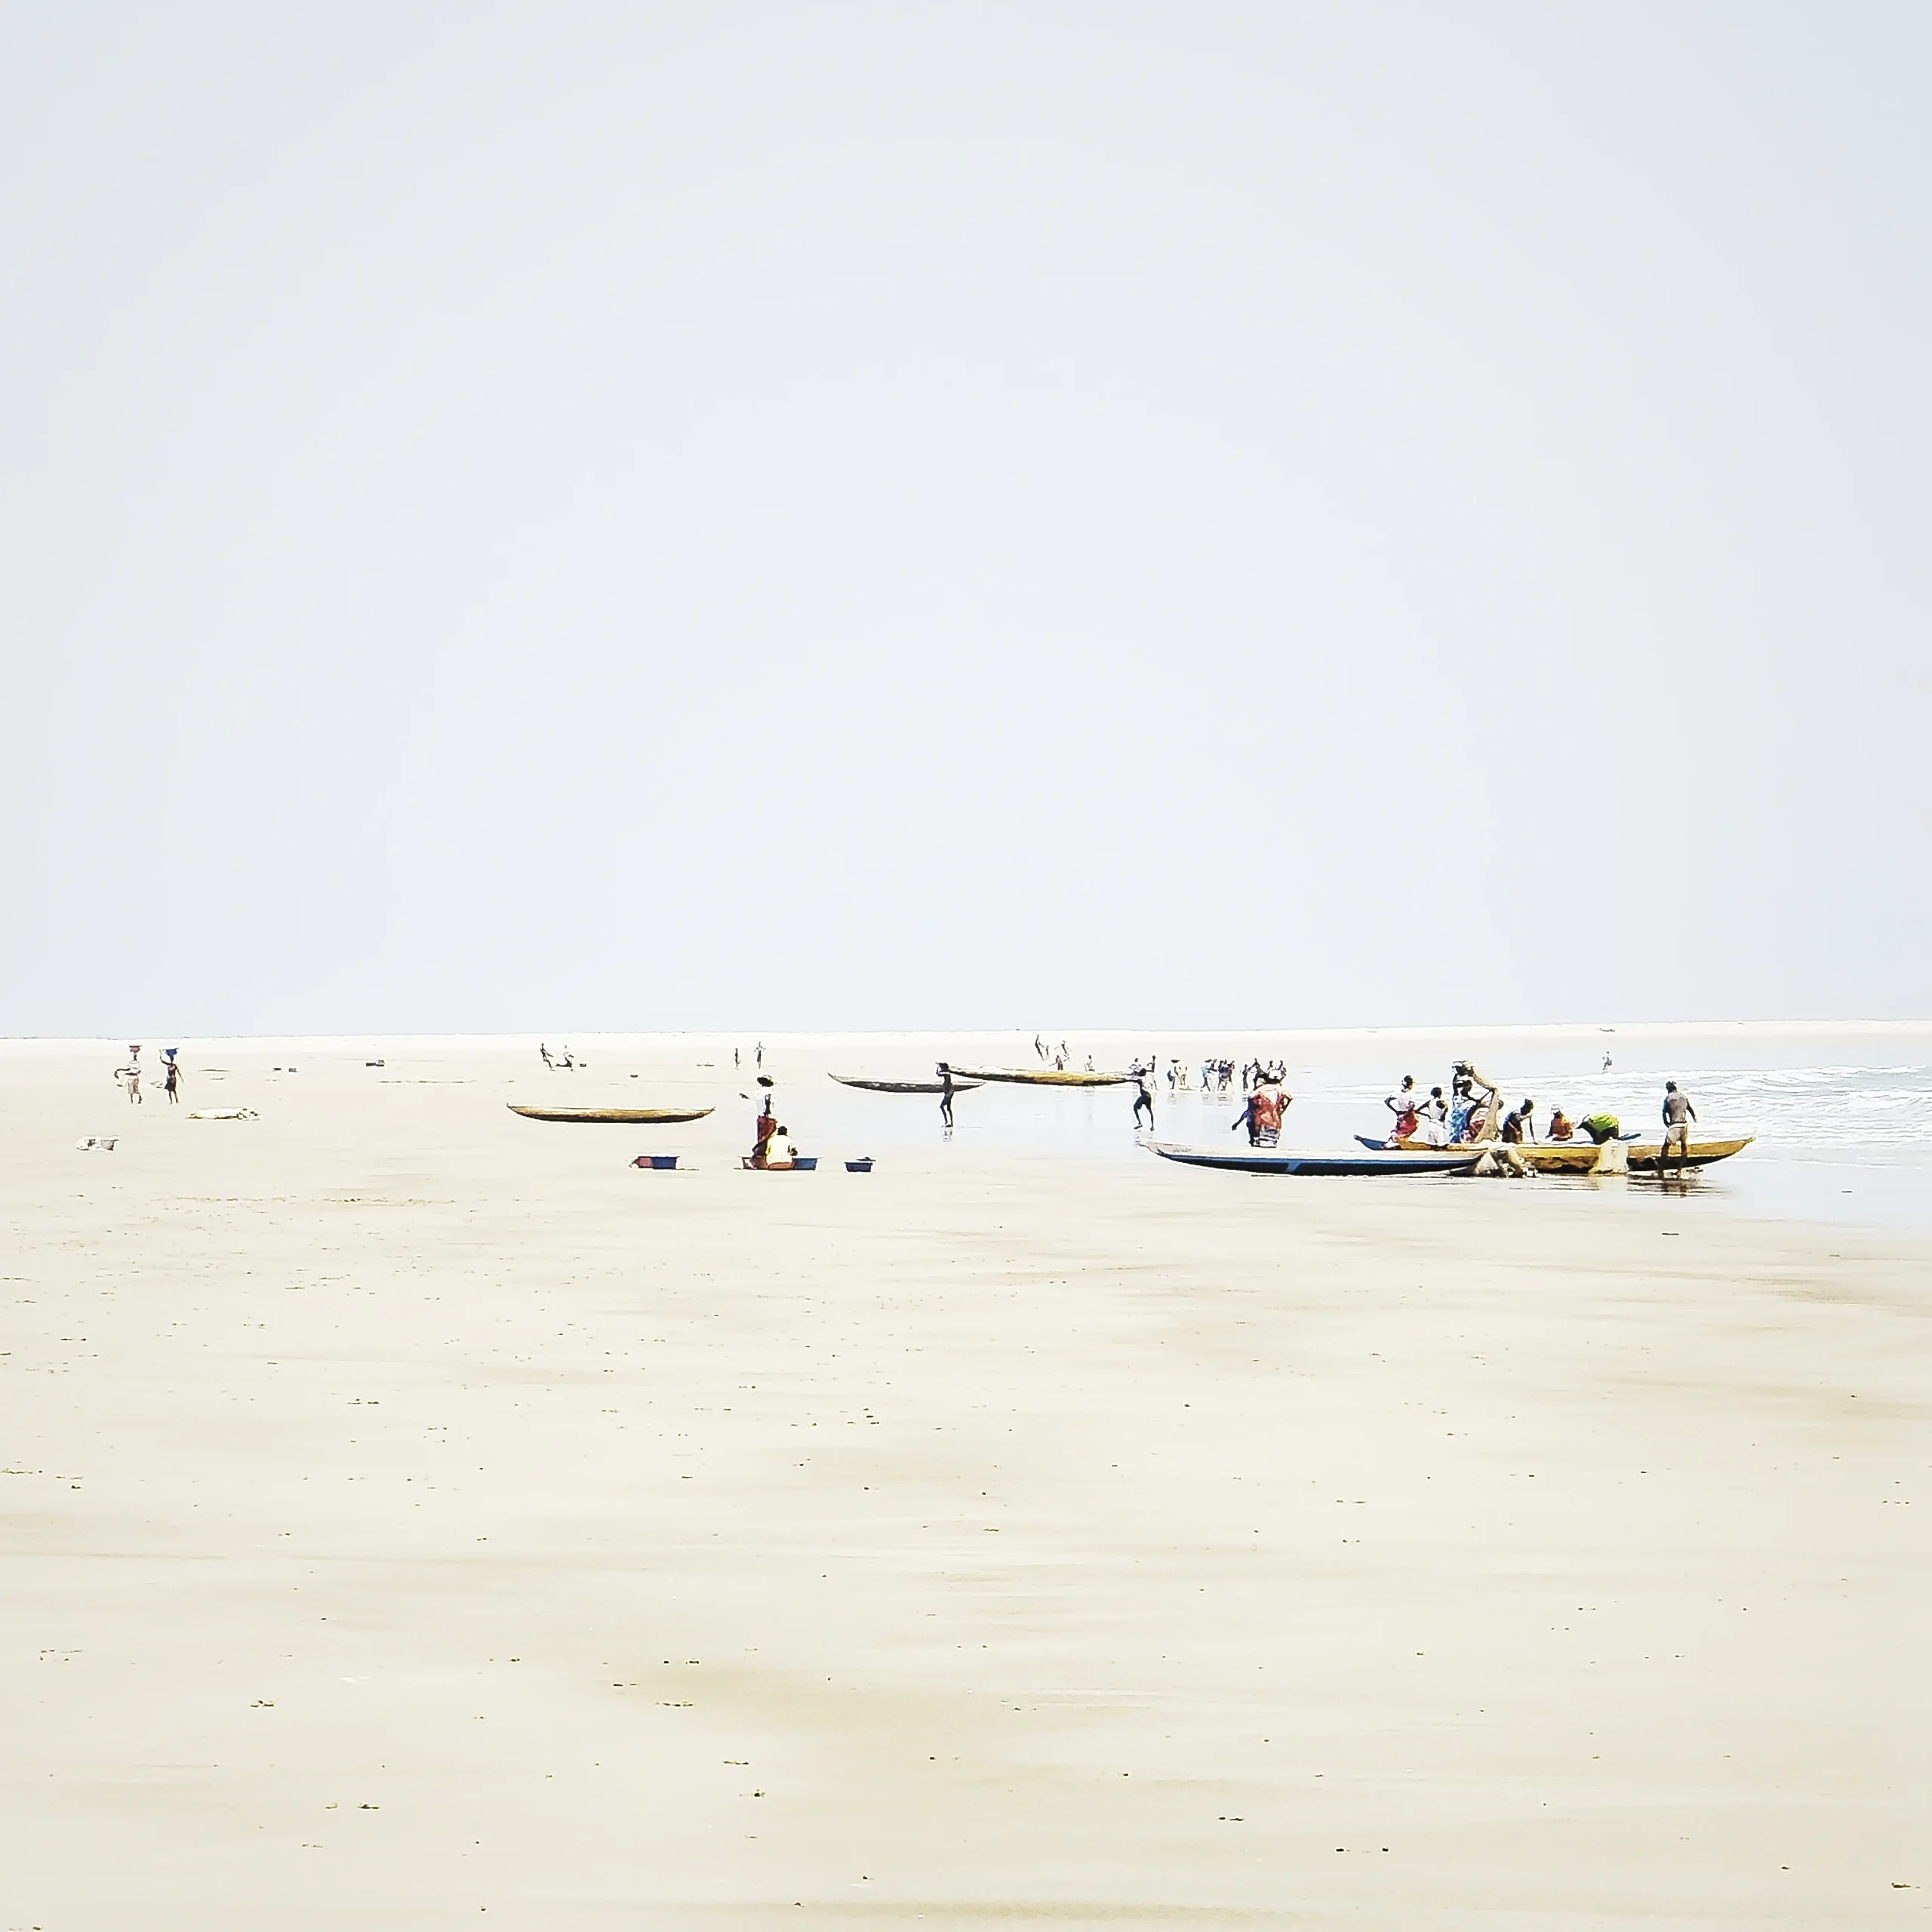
(1466, 1126)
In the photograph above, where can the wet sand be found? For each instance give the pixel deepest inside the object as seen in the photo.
(414, 1516)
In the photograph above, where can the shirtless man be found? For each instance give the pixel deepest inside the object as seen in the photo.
(1679, 1113)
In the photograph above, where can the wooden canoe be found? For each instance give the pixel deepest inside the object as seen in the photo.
(1546, 1157)
(1044, 1076)
(613, 1116)
(1574, 1157)
(1644, 1154)
(903, 1086)
(1370, 1163)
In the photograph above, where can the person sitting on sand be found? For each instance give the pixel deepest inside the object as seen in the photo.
(1518, 1125)
(778, 1153)
(1561, 1126)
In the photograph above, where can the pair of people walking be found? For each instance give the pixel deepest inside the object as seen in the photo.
(130, 1076)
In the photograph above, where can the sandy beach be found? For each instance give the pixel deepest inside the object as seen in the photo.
(414, 1516)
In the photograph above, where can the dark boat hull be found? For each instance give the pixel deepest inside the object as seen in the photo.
(613, 1116)
(1024, 1076)
(1366, 1165)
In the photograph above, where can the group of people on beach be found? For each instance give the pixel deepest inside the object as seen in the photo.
(129, 1076)
(1466, 1115)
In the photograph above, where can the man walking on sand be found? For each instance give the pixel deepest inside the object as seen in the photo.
(130, 1075)
(1679, 1113)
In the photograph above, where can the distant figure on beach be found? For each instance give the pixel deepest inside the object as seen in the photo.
(129, 1076)
(1142, 1098)
(734, 1058)
(1606, 1062)
(1262, 1116)
(170, 1076)
(1039, 1046)
(1679, 1113)
(945, 1093)
(760, 1053)
(542, 1047)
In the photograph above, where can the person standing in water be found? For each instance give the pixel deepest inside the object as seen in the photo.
(129, 1076)
(1679, 1113)
(1143, 1098)
(945, 1093)
(1262, 1116)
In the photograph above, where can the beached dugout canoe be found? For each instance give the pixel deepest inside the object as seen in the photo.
(613, 1116)
(1574, 1157)
(1044, 1076)
(1370, 1163)
(1644, 1154)
(903, 1086)
(1546, 1157)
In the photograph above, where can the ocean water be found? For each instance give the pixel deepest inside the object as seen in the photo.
(1842, 1117)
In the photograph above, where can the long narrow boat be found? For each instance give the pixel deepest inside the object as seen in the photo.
(1644, 1154)
(613, 1116)
(1374, 1162)
(1574, 1157)
(1041, 1076)
(903, 1086)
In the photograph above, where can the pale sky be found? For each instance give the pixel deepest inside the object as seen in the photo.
(826, 516)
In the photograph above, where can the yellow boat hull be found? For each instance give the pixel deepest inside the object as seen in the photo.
(1579, 1157)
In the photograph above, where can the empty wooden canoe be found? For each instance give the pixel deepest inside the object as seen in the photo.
(1644, 1154)
(903, 1086)
(1368, 1164)
(1031, 1076)
(613, 1116)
